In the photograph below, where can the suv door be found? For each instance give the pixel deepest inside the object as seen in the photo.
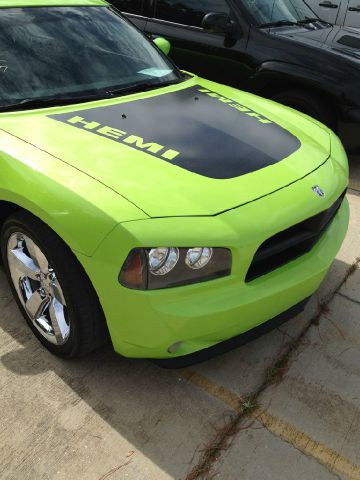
(196, 50)
(134, 10)
(327, 10)
(352, 18)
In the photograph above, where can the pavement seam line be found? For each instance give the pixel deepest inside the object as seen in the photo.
(239, 404)
(325, 455)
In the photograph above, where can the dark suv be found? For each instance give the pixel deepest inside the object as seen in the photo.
(275, 48)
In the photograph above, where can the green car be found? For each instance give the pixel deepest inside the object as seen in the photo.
(172, 213)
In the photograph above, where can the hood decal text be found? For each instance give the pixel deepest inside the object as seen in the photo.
(195, 129)
(132, 140)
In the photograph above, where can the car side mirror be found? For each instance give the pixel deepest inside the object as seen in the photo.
(219, 23)
(163, 44)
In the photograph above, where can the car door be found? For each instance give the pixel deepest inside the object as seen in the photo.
(327, 10)
(352, 18)
(207, 54)
(134, 10)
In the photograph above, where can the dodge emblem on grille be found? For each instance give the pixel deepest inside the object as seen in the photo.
(318, 191)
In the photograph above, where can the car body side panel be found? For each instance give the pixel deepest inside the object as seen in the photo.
(309, 49)
(80, 209)
(309, 52)
(352, 14)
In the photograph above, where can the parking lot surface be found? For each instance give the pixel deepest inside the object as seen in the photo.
(286, 406)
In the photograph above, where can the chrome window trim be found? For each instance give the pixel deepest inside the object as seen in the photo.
(140, 17)
(183, 25)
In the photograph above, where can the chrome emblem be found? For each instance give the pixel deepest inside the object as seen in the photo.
(318, 191)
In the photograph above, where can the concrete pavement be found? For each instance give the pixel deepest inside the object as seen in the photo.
(105, 417)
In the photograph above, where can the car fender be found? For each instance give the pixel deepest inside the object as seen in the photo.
(81, 210)
(272, 72)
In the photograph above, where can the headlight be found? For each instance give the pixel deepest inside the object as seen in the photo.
(162, 260)
(163, 267)
(198, 257)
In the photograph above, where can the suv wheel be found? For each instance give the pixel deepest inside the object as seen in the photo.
(310, 104)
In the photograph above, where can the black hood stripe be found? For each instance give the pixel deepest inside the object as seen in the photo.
(195, 129)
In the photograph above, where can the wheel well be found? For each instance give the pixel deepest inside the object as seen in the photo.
(275, 87)
(6, 209)
(101, 334)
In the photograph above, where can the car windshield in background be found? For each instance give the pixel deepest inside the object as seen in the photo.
(59, 54)
(277, 12)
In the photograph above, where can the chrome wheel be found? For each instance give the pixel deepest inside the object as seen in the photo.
(38, 288)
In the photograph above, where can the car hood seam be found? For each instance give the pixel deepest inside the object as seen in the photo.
(232, 208)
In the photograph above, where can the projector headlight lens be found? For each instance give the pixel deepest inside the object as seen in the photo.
(197, 258)
(162, 260)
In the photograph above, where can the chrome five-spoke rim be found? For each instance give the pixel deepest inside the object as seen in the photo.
(38, 288)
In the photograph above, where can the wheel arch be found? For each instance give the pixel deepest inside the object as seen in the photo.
(273, 78)
(10, 206)
(7, 209)
(277, 86)
(75, 219)
(12, 203)
(97, 334)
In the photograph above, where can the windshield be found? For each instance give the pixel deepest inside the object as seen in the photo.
(267, 12)
(64, 52)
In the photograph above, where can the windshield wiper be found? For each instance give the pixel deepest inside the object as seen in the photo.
(278, 23)
(29, 103)
(140, 87)
(310, 20)
(313, 20)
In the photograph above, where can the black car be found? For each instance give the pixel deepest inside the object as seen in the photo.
(278, 49)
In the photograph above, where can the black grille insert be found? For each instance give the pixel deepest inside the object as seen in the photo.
(291, 243)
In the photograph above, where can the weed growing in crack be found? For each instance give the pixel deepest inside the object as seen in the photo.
(248, 405)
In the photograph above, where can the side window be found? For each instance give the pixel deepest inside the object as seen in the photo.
(129, 6)
(189, 12)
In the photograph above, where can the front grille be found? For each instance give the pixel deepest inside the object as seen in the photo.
(292, 242)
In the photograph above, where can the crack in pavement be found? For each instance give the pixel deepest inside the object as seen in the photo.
(348, 298)
(332, 460)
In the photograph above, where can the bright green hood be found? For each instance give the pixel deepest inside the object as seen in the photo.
(197, 148)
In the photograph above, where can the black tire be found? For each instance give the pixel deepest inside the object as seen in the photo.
(310, 104)
(88, 329)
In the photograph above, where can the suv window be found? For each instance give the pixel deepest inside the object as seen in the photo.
(189, 12)
(129, 6)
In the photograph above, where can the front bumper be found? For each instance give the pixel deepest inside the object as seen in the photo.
(147, 323)
(233, 342)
